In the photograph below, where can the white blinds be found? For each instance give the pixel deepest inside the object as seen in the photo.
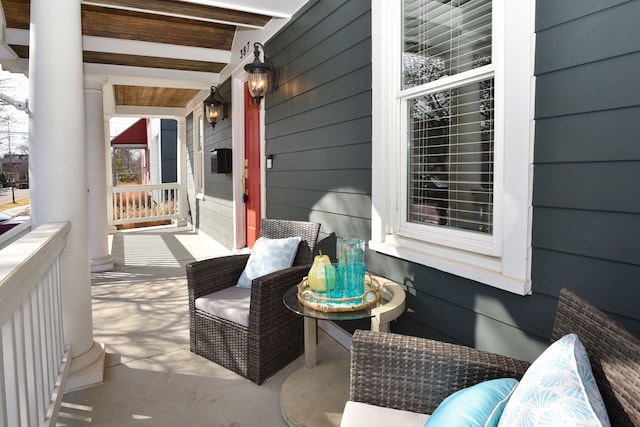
(450, 138)
(457, 33)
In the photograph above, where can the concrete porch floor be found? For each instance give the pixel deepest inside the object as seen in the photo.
(140, 315)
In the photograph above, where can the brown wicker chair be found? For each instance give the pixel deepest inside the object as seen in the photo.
(416, 374)
(274, 336)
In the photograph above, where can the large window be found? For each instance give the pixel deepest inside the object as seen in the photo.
(451, 106)
(447, 91)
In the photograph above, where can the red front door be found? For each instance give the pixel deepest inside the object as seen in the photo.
(251, 167)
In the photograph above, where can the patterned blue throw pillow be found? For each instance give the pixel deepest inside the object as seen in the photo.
(558, 389)
(267, 256)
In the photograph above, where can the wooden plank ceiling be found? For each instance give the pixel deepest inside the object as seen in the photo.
(170, 22)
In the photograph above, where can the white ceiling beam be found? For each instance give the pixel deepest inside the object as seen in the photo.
(14, 36)
(154, 76)
(134, 47)
(275, 8)
(161, 50)
(141, 111)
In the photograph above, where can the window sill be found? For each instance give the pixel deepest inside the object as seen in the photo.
(200, 196)
(480, 268)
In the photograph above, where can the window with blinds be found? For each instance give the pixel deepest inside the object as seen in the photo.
(447, 90)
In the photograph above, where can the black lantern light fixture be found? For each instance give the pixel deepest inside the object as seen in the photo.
(260, 74)
(215, 107)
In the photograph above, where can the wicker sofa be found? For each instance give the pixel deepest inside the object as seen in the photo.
(274, 335)
(416, 374)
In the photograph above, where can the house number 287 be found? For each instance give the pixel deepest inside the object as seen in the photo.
(244, 51)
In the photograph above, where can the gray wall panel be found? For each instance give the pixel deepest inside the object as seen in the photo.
(351, 132)
(594, 234)
(577, 43)
(590, 186)
(356, 181)
(553, 12)
(353, 108)
(214, 214)
(589, 277)
(608, 135)
(586, 192)
(598, 86)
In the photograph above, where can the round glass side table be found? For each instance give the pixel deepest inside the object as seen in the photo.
(316, 393)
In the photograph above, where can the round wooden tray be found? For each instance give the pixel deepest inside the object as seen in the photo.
(319, 300)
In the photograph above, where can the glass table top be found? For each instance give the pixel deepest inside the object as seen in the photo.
(290, 299)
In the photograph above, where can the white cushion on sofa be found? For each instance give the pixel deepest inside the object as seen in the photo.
(231, 303)
(357, 414)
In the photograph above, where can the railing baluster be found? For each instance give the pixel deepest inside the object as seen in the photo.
(33, 359)
(145, 203)
(39, 390)
(30, 358)
(3, 396)
(10, 374)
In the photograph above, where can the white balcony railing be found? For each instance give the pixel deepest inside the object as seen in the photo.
(144, 203)
(34, 360)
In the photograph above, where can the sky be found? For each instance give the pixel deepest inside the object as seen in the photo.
(17, 88)
(20, 122)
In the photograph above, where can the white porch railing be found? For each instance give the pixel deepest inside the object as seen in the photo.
(144, 203)
(34, 361)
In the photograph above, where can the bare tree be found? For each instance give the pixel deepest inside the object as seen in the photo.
(13, 142)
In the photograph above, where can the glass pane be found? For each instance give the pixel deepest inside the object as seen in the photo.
(450, 158)
(444, 38)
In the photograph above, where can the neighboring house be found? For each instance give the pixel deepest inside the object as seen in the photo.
(163, 134)
(15, 168)
(157, 140)
(135, 137)
(576, 220)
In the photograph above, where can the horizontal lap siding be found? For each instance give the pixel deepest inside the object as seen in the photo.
(318, 122)
(318, 129)
(214, 214)
(587, 157)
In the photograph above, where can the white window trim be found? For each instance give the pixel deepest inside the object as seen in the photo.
(508, 265)
(198, 152)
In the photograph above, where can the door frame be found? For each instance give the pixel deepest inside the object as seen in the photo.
(237, 114)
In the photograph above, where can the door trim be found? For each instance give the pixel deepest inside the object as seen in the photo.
(237, 135)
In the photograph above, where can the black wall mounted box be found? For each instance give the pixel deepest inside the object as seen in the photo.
(221, 160)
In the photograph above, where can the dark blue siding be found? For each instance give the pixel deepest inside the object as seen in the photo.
(587, 156)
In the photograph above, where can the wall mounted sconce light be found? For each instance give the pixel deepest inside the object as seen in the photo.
(261, 74)
(269, 161)
(215, 108)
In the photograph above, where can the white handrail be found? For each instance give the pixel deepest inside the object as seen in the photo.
(144, 203)
(34, 360)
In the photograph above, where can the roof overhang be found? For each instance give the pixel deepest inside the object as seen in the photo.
(156, 57)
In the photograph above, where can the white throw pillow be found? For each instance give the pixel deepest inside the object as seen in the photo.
(267, 256)
(558, 389)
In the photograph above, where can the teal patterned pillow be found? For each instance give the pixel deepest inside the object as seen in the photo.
(267, 256)
(558, 389)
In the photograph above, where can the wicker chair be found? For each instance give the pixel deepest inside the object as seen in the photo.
(274, 336)
(416, 374)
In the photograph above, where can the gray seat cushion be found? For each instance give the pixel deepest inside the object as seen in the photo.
(231, 304)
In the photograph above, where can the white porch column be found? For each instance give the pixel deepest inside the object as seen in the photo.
(108, 157)
(58, 168)
(96, 174)
(182, 172)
